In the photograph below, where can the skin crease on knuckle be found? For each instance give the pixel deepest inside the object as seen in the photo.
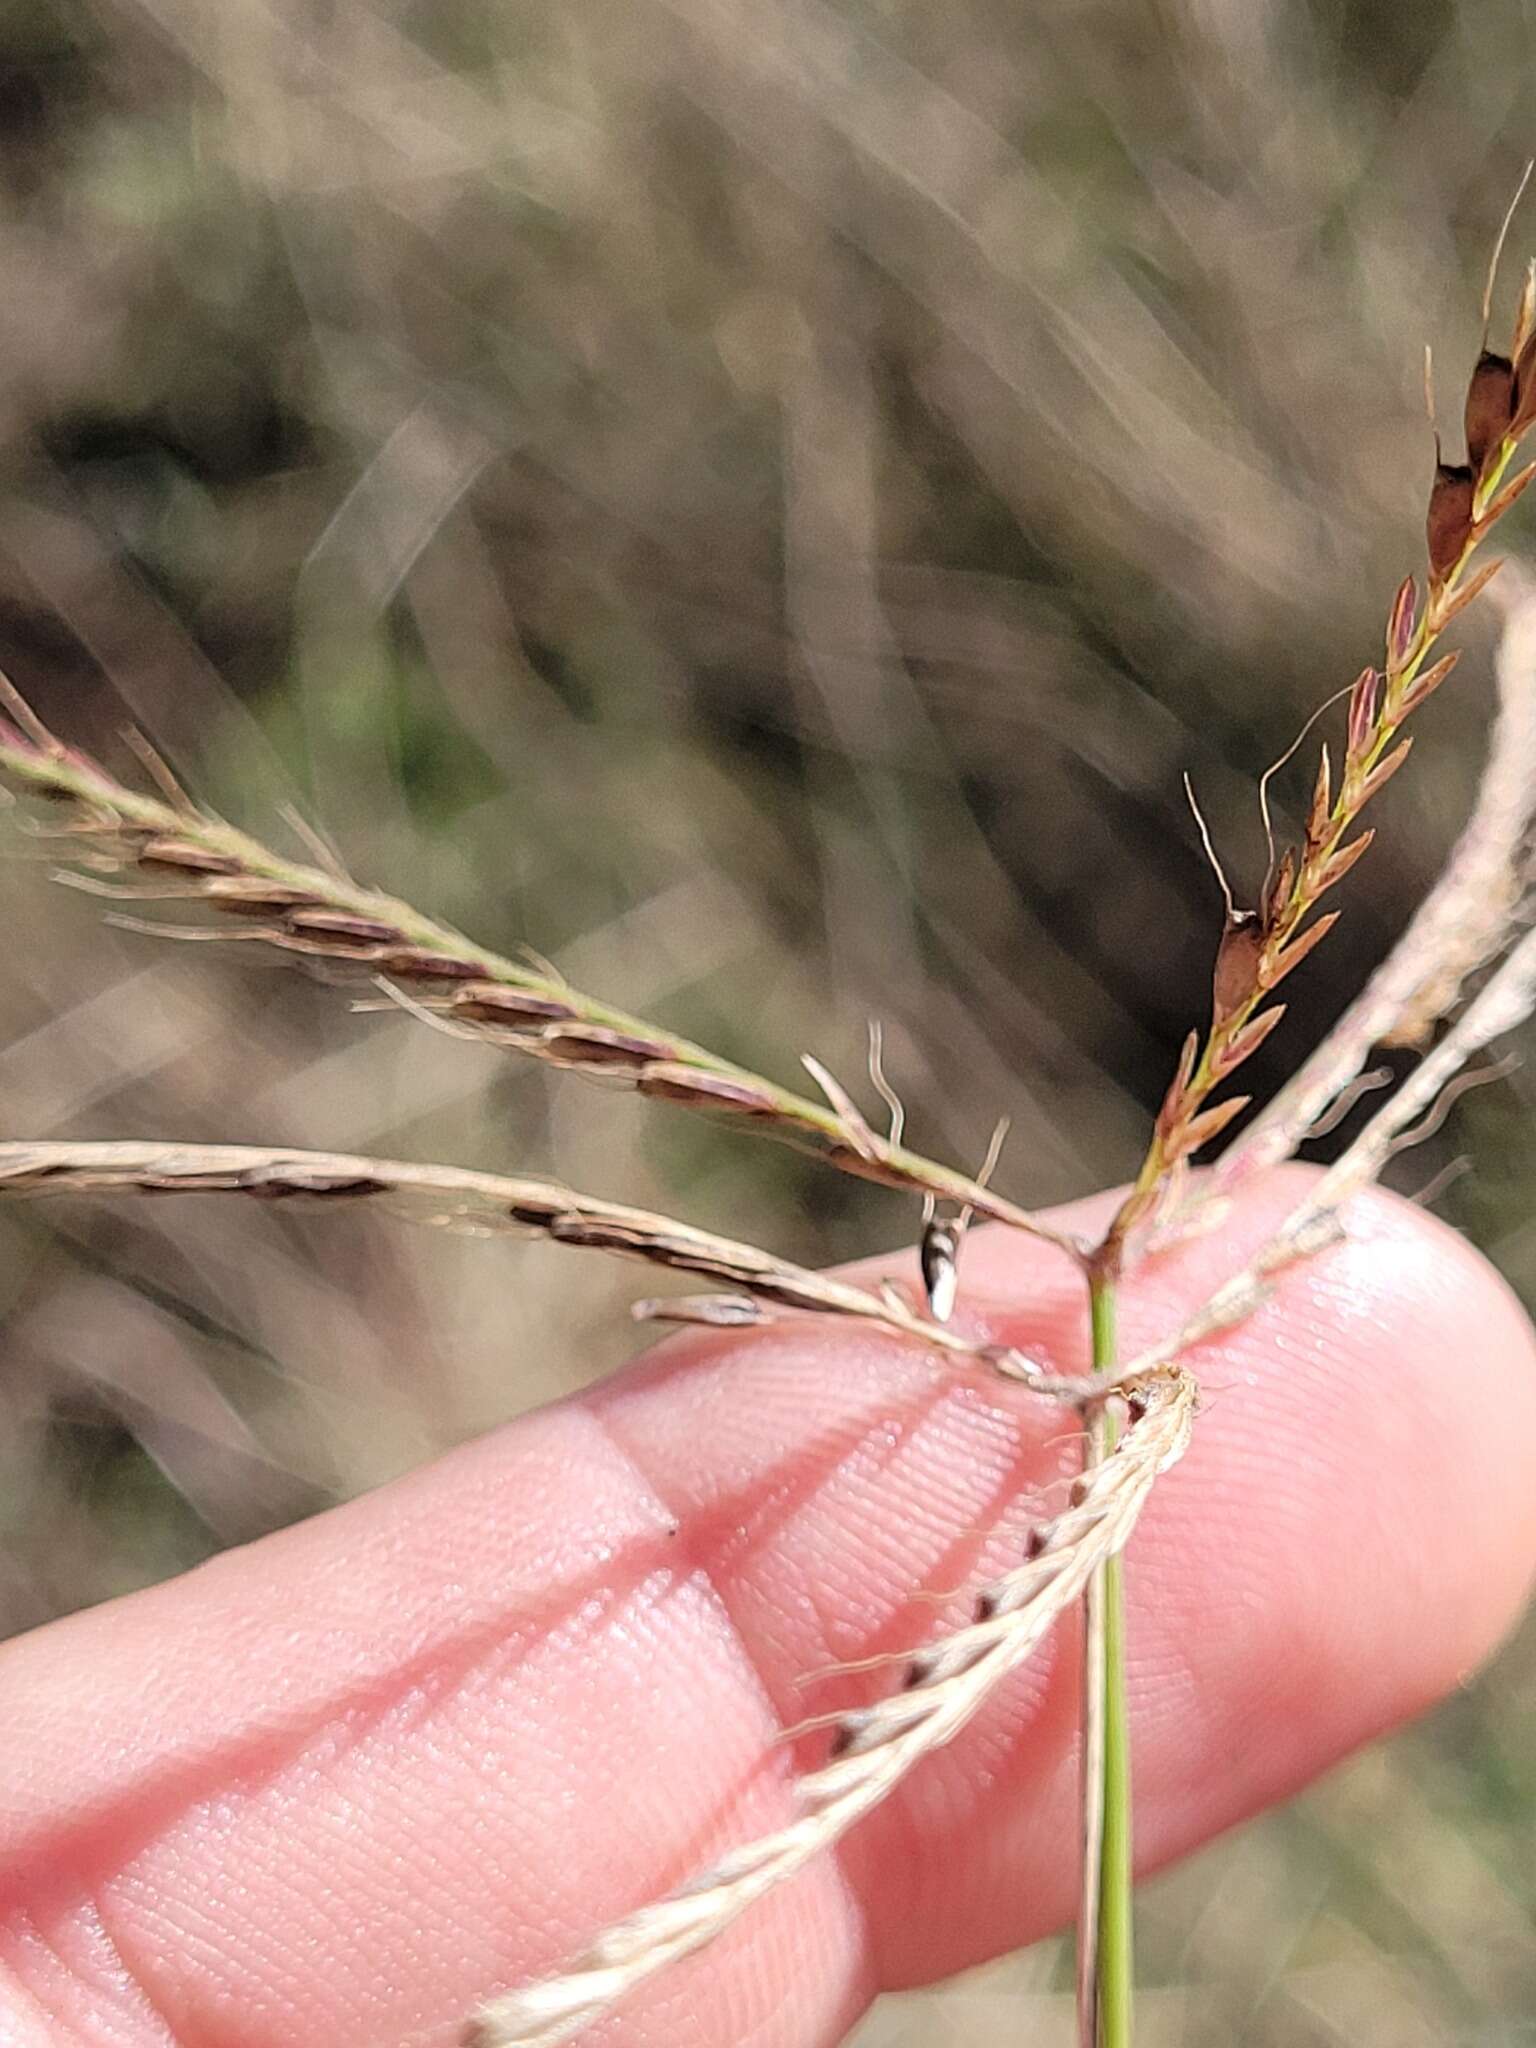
(341, 1783)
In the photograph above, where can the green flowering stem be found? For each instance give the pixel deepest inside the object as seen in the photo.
(1106, 1963)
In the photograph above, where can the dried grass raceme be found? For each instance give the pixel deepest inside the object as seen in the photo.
(487, 1202)
(135, 845)
(175, 852)
(874, 1747)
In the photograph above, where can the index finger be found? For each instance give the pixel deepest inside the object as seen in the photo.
(343, 1784)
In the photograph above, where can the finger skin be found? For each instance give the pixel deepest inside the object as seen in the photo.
(340, 1785)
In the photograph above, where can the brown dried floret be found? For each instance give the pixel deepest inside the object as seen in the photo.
(1469, 591)
(307, 1182)
(1237, 961)
(696, 1089)
(1401, 622)
(341, 930)
(253, 896)
(1338, 865)
(1508, 496)
(416, 963)
(1490, 408)
(1448, 525)
(492, 1002)
(1383, 773)
(1318, 816)
(597, 1045)
(1246, 1042)
(1201, 1129)
(1364, 700)
(1299, 948)
(185, 858)
(1278, 895)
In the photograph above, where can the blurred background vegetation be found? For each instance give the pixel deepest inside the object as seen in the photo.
(762, 504)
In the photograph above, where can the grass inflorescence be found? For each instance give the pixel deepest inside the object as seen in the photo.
(138, 846)
(1259, 948)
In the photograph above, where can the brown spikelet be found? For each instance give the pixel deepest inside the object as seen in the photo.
(713, 1311)
(1298, 949)
(1322, 800)
(1186, 1066)
(673, 1083)
(1400, 622)
(1339, 864)
(183, 858)
(1247, 1041)
(342, 929)
(1237, 959)
(1363, 700)
(253, 896)
(489, 1002)
(1383, 772)
(599, 1046)
(1278, 894)
(417, 963)
(1168, 1114)
(868, 1162)
(1448, 525)
(1473, 588)
(1525, 386)
(1490, 408)
(1512, 491)
(1523, 311)
(1425, 686)
(1207, 1125)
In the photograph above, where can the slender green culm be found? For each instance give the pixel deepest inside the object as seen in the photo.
(1113, 1945)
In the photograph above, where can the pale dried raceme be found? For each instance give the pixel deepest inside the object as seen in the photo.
(487, 1202)
(874, 1747)
(1505, 1001)
(184, 854)
(1461, 924)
